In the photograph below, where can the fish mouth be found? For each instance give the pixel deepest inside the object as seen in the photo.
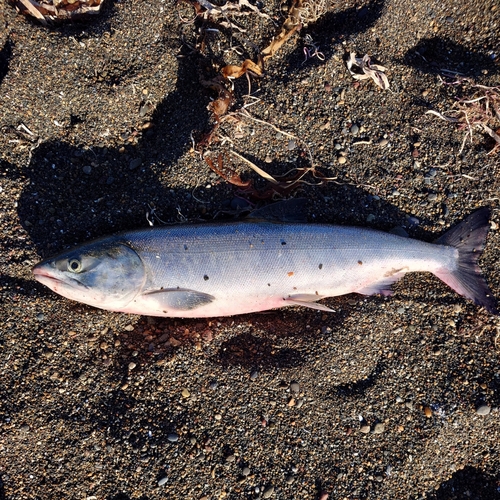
(47, 278)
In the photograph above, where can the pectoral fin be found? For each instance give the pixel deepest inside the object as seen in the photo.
(180, 299)
(307, 300)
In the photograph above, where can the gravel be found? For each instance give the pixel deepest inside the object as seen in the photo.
(80, 419)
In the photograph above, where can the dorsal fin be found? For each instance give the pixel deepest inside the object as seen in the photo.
(293, 210)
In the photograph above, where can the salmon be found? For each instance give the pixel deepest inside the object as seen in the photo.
(265, 262)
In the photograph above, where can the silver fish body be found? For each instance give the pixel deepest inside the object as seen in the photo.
(211, 269)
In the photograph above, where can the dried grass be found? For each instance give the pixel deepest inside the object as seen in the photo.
(480, 112)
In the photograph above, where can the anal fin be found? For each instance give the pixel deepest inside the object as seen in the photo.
(382, 286)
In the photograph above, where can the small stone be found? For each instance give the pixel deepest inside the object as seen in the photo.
(254, 374)
(131, 366)
(162, 481)
(365, 429)
(87, 169)
(268, 492)
(379, 428)
(185, 393)
(173, 437)
(40, 317)
(174, 342)
(432, 197)
(295, 387)
(484, 410)
(399, 399)
(136, 162)
(354, 129)
(289, 479)
(230, 458)
(218, 416)
(129, 328)
(245, 471)
(291, 145)
(341, 159)
(383, 142)
(428, 412)
(337, 146)
(213, 384)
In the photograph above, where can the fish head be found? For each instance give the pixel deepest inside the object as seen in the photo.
(106, 273)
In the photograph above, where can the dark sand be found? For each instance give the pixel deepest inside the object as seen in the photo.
(207, 409)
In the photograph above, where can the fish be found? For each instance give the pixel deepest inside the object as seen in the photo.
(272, 259)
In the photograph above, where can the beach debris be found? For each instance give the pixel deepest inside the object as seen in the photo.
(47, 11)
(361, 68)
(480, 112)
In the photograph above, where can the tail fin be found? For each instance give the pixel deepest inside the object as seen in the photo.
(469, 237)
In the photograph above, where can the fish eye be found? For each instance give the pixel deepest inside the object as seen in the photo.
(74, 265)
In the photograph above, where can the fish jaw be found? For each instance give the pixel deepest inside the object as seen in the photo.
(49, 276)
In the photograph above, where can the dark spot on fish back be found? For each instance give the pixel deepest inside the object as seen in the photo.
(283, 242)
(290, 273)
(185, 247)
(320, 266)
(205, 277)
(360, 262)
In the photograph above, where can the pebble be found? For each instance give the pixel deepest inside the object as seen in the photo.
(289, 479)
(162, 481)
(428, 412)
(354, 129)
(87, 169)
(230, 458)
(383, 142)
(213, 384)
(295, 387)
(129, 328)
(185, 393)
(245, 471)
(131, 366)
(379, 428)
(337, 146)
(136, 162)
(365, 429)
(254, 374)
(432, 197)
(484, 410)
(268, 492)
(291, 145)
(341, 159)
(173, 437)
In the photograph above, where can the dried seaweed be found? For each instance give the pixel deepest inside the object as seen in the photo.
(361, 68)
(479, 112)
(47, 11)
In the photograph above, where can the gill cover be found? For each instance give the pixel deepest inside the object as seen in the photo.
(105, 273)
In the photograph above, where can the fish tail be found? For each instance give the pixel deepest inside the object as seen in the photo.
(469, 237)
